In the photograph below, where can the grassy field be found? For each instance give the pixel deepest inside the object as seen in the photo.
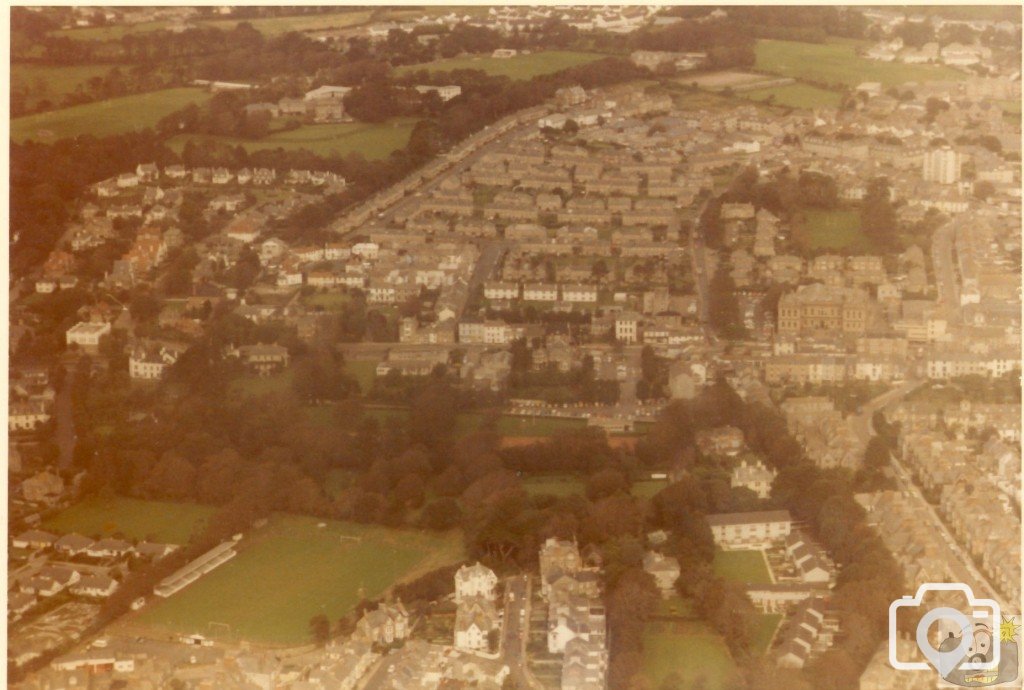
(103, 118)
(839, 229)
(741, 566)
(291, 570)
(691, 650)
(364, 372)
(160, 521)
(262, 385)
(764, 629)
(568, 485)
(518, 67)
(51, 83)
(374, 141)
(796, 96)
(330, 301)
(836, 62)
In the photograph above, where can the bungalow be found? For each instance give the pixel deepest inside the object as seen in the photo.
(99, 586)
(109, 548)
(34, 539)
(72, 544)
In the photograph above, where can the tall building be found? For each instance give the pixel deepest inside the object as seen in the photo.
(824, 309)
(942, 165)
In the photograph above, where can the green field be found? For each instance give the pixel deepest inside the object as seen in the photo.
(839, 229)
(160, 521)
(836, 62)
(364, 372)
(329, 301)
(796, 96)
(45, 82)
(518, 67)
(264, 385)
(103, 118)
(764, 628)
(291, 570)
(741, 566)
(690, 649)
(374, 141)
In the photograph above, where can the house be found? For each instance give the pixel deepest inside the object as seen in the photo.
(584, 294)
(27, 416)
(99, 586)
(72, 544)
(627, 327)
(753, 476)
(475, 581)
(723, 440)
(327, 93)
(108, 548)
(87, 334)
(153, 551)
(385, 624)
(34, 539)
(540, 292)
(749, 530)
(475, 618)
(149, 361)
(664, 569)
(18, 603)
(263, 359)
(498, 290)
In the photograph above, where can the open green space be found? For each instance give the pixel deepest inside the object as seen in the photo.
(264, 385)
(836, 229)
(518, 67)
(291, 570)
(691, 650)
(373, 141)
(51, 82)
(363, 371)
(763, 630)
(534, 426)
(328, 301)
(741, 566)
(836, 62)
(559, 485)
(104, 118)
(795, 96)
(136, 519)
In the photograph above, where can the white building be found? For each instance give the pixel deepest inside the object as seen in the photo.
(87, 334)
(749, 530)
(754, 476)
(627, 328)
(942, 165)
(475, 581)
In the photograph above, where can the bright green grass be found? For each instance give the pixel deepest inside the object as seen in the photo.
(741, 566)
(103, 118)
(837, 229)
(518, 67)
(292, 570)
(690, 649)
(796, 96)
(52, 83)
(373, 141)
(837, 63)
(363, 371)
(763, 629)
(161, 521)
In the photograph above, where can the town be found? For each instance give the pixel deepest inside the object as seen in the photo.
(671, 372)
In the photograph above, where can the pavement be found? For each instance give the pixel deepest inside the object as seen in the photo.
(945, 272)
(515, 631)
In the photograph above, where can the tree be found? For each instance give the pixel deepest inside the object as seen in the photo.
(723, 306)
(320, 629)
(877, 215)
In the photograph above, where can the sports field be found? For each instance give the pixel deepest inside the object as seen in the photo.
(838, 229)
(103, 118)
(51, 83)
(836, 62)
(291, 570)
(160, 521)
(691, 650)
(518, 67)
(795, 96)
(741, 566)
(373, 141)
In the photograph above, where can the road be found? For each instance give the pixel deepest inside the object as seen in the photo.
(515, 631)
(862, 424)
(945, 272)
(700, 273)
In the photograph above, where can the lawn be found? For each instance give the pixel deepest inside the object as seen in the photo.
(518, 67)
(263, 385)
(291, 570)
(363, 371)
(838, 229)
(374, 141)
(559, 485)
(689, 649)
(764, 628)
(796, 96)
(51, 83)
(836, 62)
(329, 301)
(741, 566)
(160, 521)
(103, 118)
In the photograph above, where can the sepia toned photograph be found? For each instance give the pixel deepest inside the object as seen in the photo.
(486, 347)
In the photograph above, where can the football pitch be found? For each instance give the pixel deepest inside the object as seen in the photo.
(291, 570)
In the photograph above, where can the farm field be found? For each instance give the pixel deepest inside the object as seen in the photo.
(691, 650)
(103, 118)
(836, 62)
(51, 83)
(796, 96)
(290, 570)
(741, 566)
(836, 229)
(518, 67)
(136, 519)
(374, 141)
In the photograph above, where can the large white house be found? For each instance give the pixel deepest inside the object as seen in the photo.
(475, 618)
(475, 581)
(749, 530)
(87, 334)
